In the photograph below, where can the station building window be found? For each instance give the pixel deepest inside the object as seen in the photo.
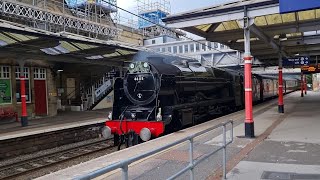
(221, 46)
(203, 47)
(191, 47)
(163, 49)
(5, 85)
(216, 45)
(39, 73)
(197, 47)
(175, 49)
(180, 49)
(169, 49)
(27, 84)
(186, 48)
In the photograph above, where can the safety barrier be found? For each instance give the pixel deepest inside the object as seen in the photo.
(124, 165)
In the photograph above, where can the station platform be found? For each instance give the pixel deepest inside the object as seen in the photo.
(286, 147)
(291, 151)
(64, 120)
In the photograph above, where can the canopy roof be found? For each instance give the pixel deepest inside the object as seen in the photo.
(291, 34)
(18, 41)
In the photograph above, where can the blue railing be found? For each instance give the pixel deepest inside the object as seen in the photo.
(124, 165)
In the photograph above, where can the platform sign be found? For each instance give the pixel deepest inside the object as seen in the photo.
(296, 61)
(287, 6)
(5, 91)
(310, 69)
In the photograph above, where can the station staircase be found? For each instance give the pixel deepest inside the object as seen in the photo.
(93, 95)
(89, 95)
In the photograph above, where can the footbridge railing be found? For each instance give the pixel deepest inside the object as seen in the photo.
(124, 165)
(59, 17)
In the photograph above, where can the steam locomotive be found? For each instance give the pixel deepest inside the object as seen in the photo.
(159, 95)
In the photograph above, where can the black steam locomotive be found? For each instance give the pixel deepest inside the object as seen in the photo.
(159, 95)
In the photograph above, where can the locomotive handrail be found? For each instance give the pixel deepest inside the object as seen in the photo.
(124, 165)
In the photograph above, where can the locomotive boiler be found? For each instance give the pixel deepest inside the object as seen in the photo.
(159, 95)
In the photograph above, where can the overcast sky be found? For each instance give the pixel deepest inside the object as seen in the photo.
(176, 5)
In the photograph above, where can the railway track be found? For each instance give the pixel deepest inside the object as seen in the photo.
(13, 170)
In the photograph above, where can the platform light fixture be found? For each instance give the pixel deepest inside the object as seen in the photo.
(60, 70)
(283, 37)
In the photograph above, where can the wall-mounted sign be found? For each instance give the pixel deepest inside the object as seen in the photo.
(296, 61)
(5, 91)
(310, 69)
(287, 6)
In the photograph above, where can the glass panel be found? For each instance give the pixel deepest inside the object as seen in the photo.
(18, 94)
(290, 17)
(307, 15)
(204, 27)
(186, 48)
(260, 21)
(6, 72)
(175, 49)
(274, 19)
(220, 28)
(197, 47)
(191, 47)
(203, 47)
(231, 25)
(317, 13)
(26, 72)
(17, 72)
(180, 49)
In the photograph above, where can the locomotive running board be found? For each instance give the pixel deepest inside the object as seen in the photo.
(202, 103)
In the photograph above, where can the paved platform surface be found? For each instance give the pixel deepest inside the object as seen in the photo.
(292, 150)
(63, 120)
(286, 146)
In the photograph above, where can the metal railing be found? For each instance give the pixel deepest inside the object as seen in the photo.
(56, 16)
(124, 165)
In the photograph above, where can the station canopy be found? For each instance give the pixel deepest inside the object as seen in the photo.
(292, 34)
(18, 41)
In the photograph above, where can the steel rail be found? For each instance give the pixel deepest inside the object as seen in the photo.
(12, 170)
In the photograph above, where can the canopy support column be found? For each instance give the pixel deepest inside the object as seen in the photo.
(280, 87)
(249, 123)
(305, 84)
(24, 114)
(302, 84)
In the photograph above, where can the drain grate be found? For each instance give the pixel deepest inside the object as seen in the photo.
(288, 176)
